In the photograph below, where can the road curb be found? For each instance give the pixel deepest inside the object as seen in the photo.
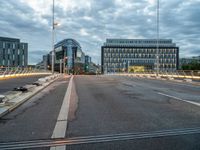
(25, 99)
(4, 112)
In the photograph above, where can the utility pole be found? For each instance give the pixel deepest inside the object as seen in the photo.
(124, 67)
(60, 65)
(157, 48)
(128, 65)
(53, 36)
(64, 63)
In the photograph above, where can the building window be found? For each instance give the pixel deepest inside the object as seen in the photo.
(8, 45)
(4, 45)
(4, 54)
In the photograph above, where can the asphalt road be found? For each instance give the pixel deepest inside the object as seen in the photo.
(10, 84)
(110, 105)
(37, 117)
(107, 105)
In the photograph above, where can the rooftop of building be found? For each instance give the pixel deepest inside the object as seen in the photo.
(67, 41)
(193, 57)
(139, 42)
(9, 39)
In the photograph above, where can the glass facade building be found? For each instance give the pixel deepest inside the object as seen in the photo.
(120, 55)
(88, 59)
(70, 51)
(13, 53)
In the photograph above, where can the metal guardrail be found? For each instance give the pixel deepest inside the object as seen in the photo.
(182, 74)
(10, 72)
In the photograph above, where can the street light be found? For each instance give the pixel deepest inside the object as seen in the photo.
(157, 47)
(128, 65)
(53, 34)
(124, 68)
(54, 24)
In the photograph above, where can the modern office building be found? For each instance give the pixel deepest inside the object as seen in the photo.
(45, 63)
(69, 52)
(88, 59)
(131, 55)
(13, 53)
(90, 67)
(93, 68)
(188, 61)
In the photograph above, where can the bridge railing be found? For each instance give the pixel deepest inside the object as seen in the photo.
(185, 74)
(10, 72)
(179, 74)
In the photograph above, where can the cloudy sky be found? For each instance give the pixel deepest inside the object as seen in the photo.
(90, 22)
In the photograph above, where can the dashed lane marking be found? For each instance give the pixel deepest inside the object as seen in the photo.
(191, 102)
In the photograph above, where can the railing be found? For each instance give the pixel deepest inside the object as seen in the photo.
(179, 74)
(13, 72)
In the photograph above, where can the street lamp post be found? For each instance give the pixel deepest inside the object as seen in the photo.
(60, 65)
(128, 65)
(53, 38)
(114, 69)
(124, 68)
(157, 47)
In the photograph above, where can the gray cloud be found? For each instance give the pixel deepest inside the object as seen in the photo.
(91, 22)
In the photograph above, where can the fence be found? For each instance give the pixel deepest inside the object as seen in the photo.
(12, 72)
(182, 74)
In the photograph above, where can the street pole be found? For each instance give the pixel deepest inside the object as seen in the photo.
(124, 64)
(114, 69)
(53, 34)
(64, 62)
(60, 65)
(64, 66)
(128, 65)
(157, 48)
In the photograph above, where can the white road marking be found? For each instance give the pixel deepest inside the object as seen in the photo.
(100, 138)
(191, 102)
(61, 124)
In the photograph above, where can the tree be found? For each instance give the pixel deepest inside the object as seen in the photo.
(194, 65)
